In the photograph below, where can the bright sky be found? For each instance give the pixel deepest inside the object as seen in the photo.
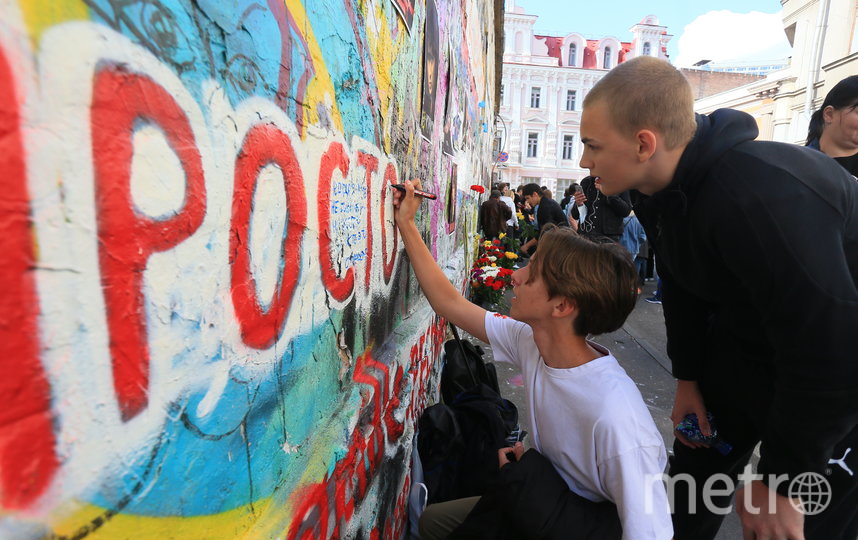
(723, 31)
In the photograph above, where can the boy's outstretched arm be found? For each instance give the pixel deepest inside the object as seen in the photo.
(444, 298)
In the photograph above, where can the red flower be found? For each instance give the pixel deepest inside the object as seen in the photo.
(478, 188)
(498, 285)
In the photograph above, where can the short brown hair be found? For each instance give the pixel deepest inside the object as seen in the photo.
(648, 93)
(530, 189)
(599, 277)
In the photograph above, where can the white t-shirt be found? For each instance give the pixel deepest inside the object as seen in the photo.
(509, 202)
(591, 422)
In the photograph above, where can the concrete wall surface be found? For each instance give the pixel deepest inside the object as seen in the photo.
(208, 325)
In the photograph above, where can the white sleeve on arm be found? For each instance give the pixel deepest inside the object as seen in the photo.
(506, 337)
(634, 480)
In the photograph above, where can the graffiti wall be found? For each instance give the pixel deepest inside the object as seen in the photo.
(208, 325)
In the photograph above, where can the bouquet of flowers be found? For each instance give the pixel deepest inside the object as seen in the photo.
(492, 272)
(528, 231)
(510, 244)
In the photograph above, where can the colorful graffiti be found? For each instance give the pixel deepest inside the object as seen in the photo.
(207, 329)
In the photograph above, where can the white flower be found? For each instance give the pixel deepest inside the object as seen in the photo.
(490, 271)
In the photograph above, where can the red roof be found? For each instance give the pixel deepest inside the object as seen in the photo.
(554, 45)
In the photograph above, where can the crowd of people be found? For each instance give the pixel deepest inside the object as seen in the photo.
(583, 208)
(772, 363)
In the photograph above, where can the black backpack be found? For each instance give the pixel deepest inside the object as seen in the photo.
(465, 368)
(458, 443)
(459, 438)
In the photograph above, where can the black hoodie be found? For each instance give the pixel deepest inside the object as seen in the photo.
(757, 245)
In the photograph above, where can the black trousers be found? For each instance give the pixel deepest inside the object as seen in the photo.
(738, 404)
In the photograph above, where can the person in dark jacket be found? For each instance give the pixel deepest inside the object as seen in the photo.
(604, 218)
(834, 127)
(546, 211)
(494, 214)
(775, 360)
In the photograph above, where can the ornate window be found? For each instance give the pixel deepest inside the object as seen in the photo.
(647, 49)
(535, 93)
(570, 99)
(532, 144)
(606, 62)
(573, 54)
(568, 146)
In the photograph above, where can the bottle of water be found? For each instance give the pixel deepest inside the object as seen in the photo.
(690, 428)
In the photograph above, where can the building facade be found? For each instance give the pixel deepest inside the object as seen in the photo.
(748, 68)
(544, 82)
(825, 51)
(824, 38)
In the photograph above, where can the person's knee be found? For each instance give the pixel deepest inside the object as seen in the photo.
(441, 519)
(428, 525)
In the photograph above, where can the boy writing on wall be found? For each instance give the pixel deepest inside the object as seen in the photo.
(587, 415)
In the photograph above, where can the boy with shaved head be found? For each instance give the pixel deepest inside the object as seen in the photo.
(773, 361)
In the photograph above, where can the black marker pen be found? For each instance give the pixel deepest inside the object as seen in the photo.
(424, 194)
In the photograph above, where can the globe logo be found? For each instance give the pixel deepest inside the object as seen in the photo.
(813, 490)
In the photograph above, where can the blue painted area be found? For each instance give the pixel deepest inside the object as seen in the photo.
(301, 397)
(239, 44)
(351, 74)
(235, 43)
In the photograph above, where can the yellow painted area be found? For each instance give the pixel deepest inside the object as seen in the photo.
(39, 15)
(238, 523)
(383, 51)
(320, 88)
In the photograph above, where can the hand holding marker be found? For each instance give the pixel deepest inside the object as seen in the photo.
(417, 192)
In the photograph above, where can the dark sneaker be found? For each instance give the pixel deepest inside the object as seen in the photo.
(653, 300)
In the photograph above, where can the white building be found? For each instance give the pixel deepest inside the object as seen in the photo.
(544, 81)
(824, 39)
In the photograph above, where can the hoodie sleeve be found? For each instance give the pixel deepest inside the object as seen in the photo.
(799, 280)
(685, 320)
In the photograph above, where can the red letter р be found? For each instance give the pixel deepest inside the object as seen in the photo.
(121, 102)
(265, 145)
(28, 460)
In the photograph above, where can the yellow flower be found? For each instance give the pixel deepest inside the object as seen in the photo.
(519, 215)
(501, 236)
(487, 243)
(494, 265)
(511, 255)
